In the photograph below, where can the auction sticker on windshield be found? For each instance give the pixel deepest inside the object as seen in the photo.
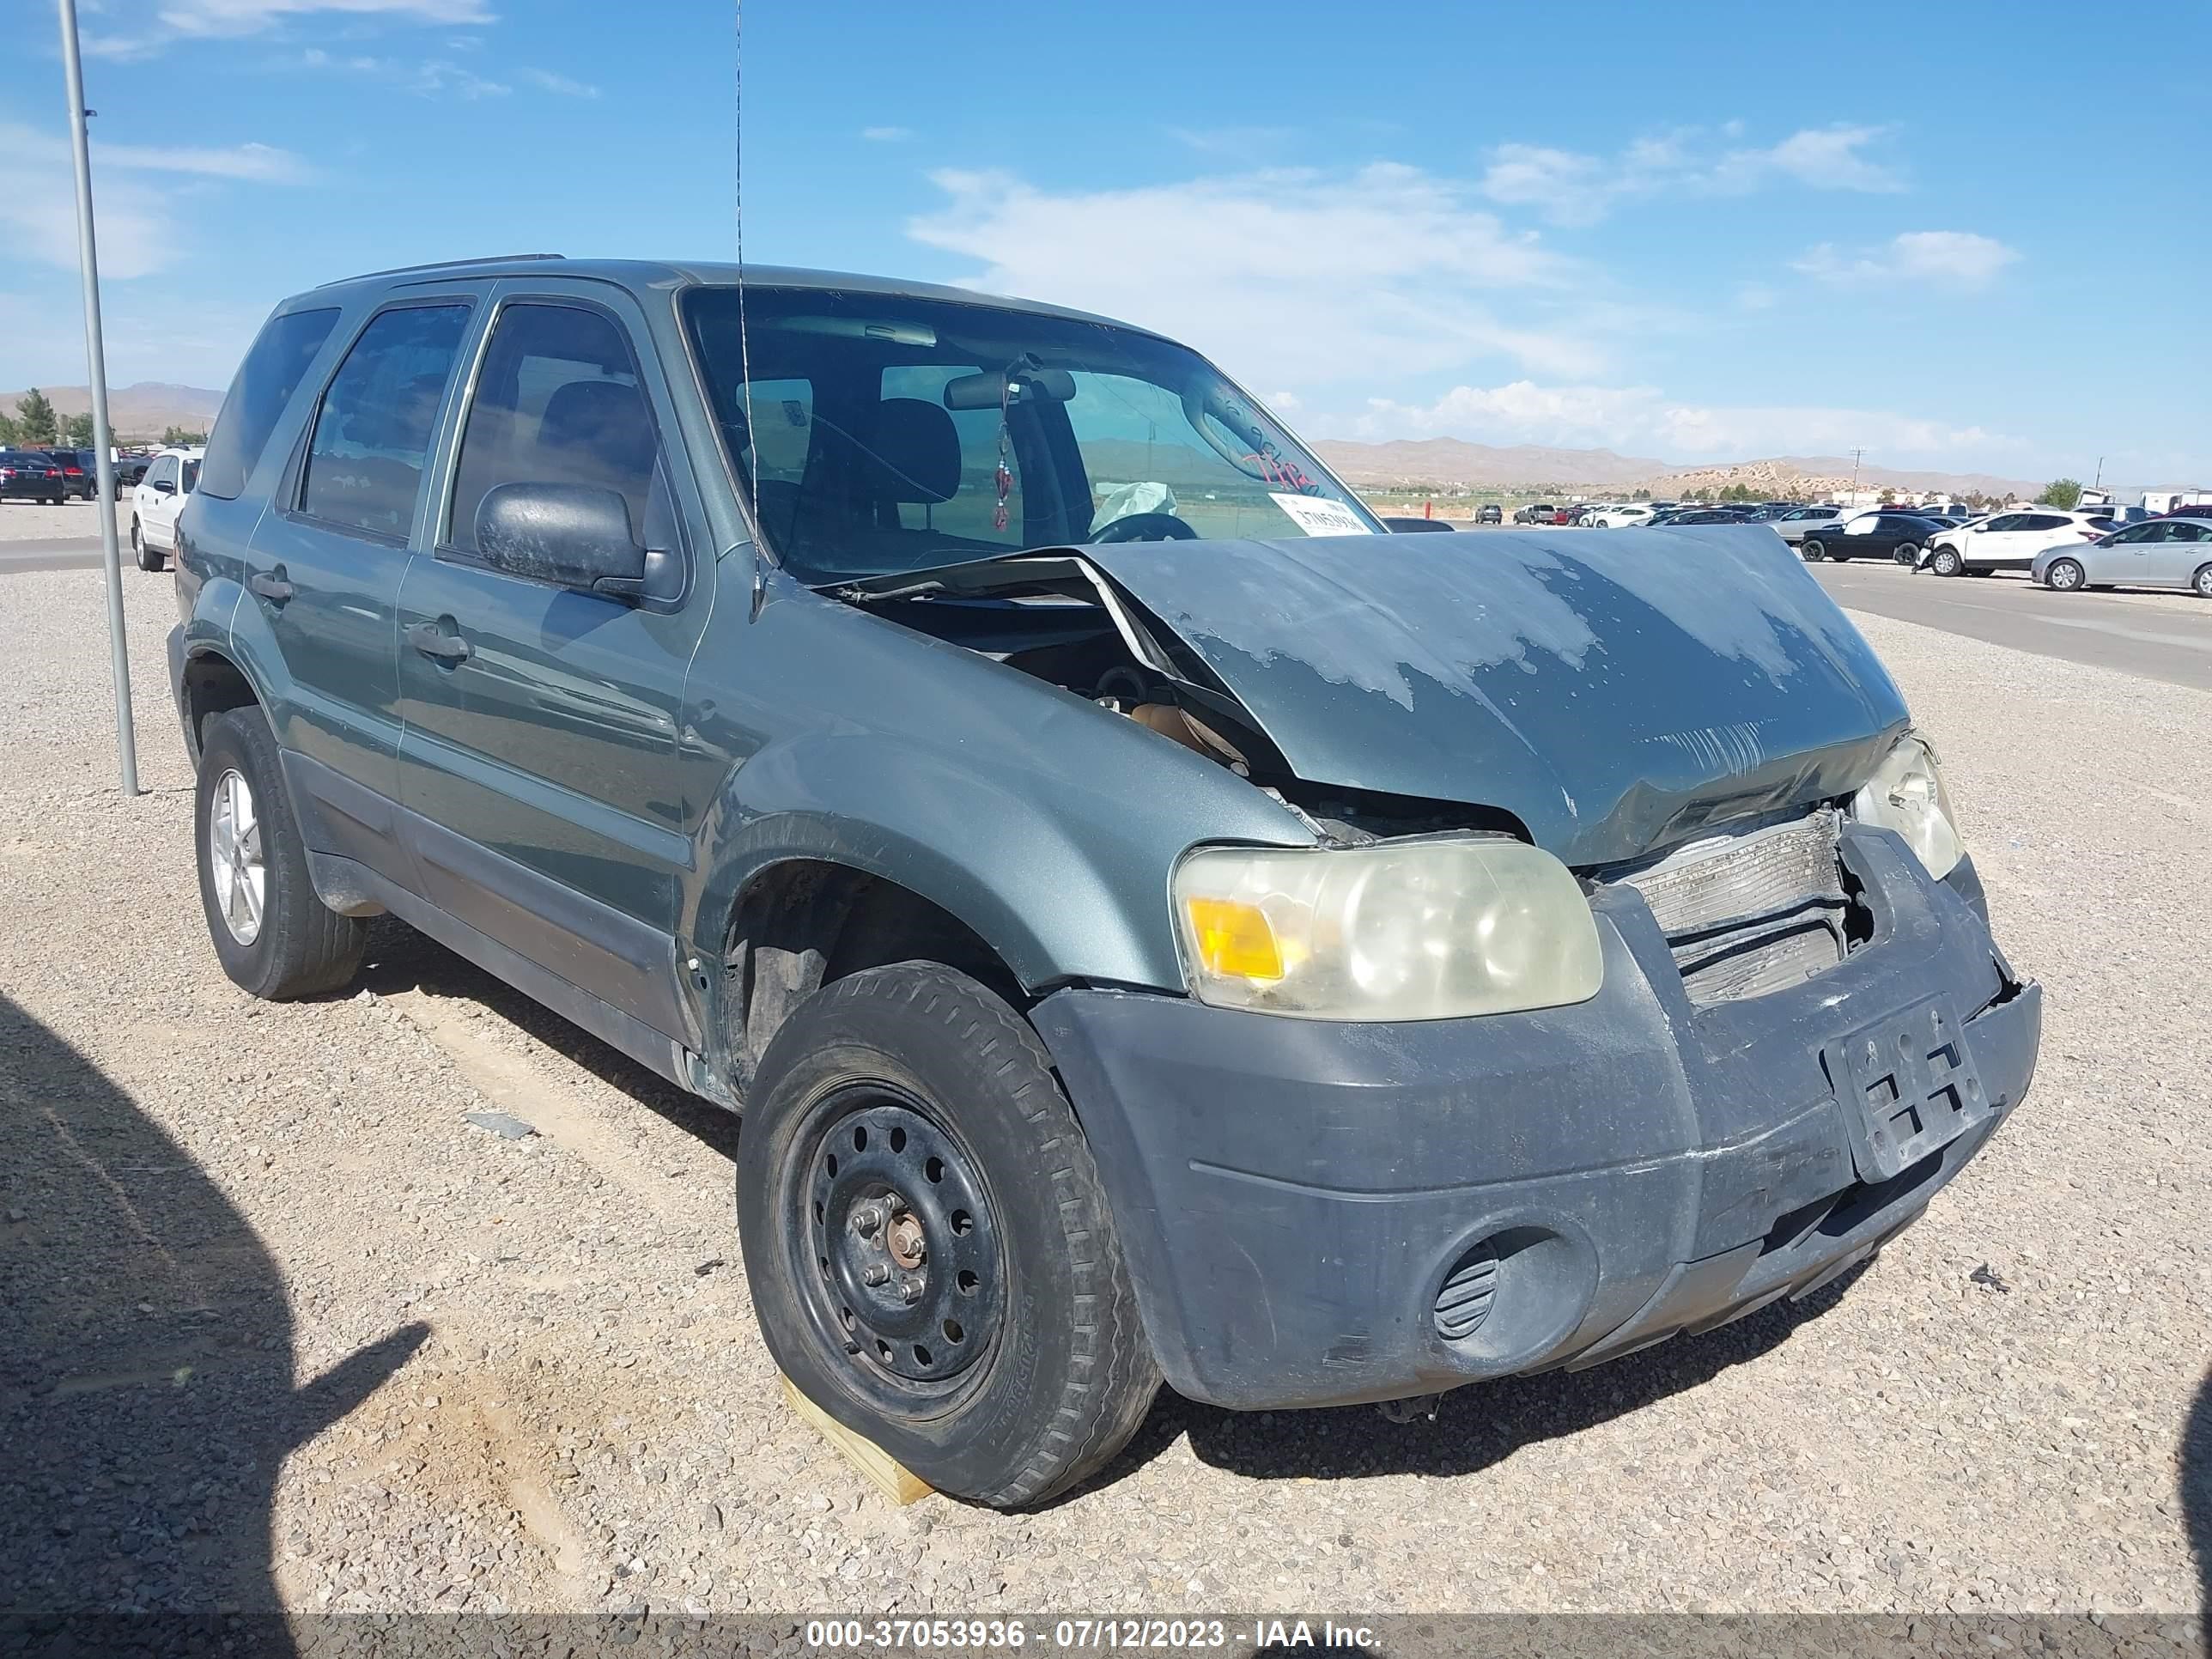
(1320, 518)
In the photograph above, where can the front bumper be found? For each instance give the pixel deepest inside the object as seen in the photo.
(1292, 1196)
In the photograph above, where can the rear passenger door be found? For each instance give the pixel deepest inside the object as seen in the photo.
(540, 762)
(325, 565)
(2172, 555)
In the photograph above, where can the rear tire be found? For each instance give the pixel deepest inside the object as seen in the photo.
(2201, 583)
(943, 1105)
(2064, 576)
(295, 945)
(1946, 562)
(147, 557)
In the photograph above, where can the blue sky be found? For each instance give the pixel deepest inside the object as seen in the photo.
(1960, 236)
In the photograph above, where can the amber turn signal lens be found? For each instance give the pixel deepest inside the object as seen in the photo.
(1234, 940)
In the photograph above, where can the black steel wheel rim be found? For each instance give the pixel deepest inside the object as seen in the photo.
(897, 1246)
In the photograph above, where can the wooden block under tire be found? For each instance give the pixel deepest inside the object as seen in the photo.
(884, 1472)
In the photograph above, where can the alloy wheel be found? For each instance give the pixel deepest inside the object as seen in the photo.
(234, 857)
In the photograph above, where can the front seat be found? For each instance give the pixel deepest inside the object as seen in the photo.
(602, 435)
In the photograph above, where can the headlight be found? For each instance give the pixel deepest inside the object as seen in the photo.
(1906, 794)
(1430, 928)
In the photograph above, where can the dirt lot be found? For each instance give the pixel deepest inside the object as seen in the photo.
(283, 1325)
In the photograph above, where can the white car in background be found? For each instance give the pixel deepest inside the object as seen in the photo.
(1624, 515)
(2009, 541)
(155, 500)
(1793, 526)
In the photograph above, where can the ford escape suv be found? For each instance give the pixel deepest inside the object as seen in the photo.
(1154, 924)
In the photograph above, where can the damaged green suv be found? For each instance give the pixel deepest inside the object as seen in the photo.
(1154, 924)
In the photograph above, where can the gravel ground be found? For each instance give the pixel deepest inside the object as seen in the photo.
(284, 1327)
(34, 521)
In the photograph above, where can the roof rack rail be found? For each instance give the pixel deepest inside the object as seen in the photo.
(441, 265)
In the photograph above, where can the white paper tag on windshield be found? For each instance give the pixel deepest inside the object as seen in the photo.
(1319, 518)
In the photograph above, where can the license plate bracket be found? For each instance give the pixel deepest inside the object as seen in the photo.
(1907, 1085)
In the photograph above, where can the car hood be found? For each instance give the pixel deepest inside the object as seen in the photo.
(1616, 692)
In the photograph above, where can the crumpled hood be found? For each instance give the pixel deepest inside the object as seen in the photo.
(1616, 691)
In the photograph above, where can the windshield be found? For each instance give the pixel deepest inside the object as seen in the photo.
(893, 434)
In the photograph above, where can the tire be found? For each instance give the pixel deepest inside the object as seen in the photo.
(298, 946)
(2201, 583)
(2064, 576)
(1946, 562)
(1811, 551)
(1055, 1373)
(1906, 553)
(147, 557)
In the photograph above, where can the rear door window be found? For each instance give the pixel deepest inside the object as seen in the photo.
(556, 401)
(373, 432)
(266, 381)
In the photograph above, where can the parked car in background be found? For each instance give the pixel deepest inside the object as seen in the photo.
(1376, 1042)
(1700, 515)
(1490, 513)
(1878, 534)
(27, 475)
(157, 499)
(1624, 516)
(2009, 541)
(1407, 524)
(80, 471)
(2171, 552)
(130, 472)
(1536, 512)
(1793, 526)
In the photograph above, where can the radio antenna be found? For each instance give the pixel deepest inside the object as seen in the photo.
(744, 343)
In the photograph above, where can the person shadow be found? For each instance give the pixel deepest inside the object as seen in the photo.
(146, 1392)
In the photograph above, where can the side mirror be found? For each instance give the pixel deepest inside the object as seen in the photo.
(570, 535)
(163, 487)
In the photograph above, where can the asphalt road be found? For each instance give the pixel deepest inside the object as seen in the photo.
(61, 553)
(2159, 636)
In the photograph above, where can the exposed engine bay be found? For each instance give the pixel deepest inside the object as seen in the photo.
(1056, 616)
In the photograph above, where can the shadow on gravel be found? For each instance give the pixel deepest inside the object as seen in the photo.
(146, 1363)
(2196, 1491)
(401, 959)
(1475, 1426)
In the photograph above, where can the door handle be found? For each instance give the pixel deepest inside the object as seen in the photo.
(434, 642)
(275, 589)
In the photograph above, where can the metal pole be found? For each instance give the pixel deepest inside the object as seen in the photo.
(126, 739)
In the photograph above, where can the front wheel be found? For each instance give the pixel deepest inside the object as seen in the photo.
(2064, 576)
(273, 934)
(149, 558)
(1811, 551)
(1946, 562)
(929, 1250)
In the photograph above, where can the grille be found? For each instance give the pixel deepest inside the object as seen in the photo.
(1464, 1301)
(1750, 911)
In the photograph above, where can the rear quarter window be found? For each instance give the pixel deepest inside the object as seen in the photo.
(264, 385)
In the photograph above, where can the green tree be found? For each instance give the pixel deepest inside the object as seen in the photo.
(34, 417)
(177, 436)
(9, 432)
(76, 431)
(2064, 494)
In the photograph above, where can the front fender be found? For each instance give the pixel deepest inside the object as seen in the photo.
(1061, 891)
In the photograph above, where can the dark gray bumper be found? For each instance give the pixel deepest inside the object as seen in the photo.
(1292, 1195)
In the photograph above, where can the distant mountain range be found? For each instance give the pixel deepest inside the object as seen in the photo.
(1453, 461)
(145, 411)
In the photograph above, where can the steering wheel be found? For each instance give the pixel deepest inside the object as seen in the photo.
(1146, 527)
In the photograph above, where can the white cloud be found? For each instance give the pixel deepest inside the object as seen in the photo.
(1954, 258)
(1283, 403)
(1301, 276)
(887, 134)
(1643, 420)
(1572, 187)
(125, 35)
(137, 224)
(563, 85)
